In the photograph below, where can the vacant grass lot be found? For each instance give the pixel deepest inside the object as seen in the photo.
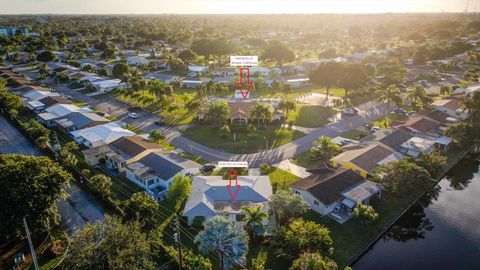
(310, 116)
(275, 135)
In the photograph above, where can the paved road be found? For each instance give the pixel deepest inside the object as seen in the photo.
(78, 208)
(369, 111)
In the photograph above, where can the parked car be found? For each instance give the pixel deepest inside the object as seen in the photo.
(159, 122)
(133, 115)
(68, 97)
(349, 111)
(207, 168)
(375, 128)
(400, 111)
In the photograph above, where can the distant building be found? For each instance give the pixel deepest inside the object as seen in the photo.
(10, 31)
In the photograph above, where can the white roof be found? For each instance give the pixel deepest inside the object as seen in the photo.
(106, 133)
(208, 190)
(36, 95)
(107, 83)
(61, 110)
(196, 68)
(417, 143)
(35, 104)
(392, 157)
(91, 78)
(363, 191)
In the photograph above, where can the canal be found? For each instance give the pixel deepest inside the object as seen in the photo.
(441, 231)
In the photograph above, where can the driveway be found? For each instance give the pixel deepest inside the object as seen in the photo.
(78, 208)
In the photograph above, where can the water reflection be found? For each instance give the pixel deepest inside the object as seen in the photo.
(461, 176)
(414, 224)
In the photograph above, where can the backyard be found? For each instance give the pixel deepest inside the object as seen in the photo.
(274, 135)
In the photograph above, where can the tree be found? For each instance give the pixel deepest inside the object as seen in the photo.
(142, 207)
(302, 236)
(313, 261)
(278, 52)
(177, 65)
(472, 106)
(265, 169)
(324, 149)
(365, 213)
(100, 184)
(418, 97)
(180, 188)
(200, 91)
(446, 90)
(286, 106)
(254, 217)
(66, 154)
(327, 75)
(218, 113)
(8, 100)
(390, 94)
(109, 244)
(223, 237)
(157, 88)
(251, 130)
(120, 70)
(433, 162)
(197, 262)
(187, 55)
(30, 186)
(286, 206)
(391, 72)
(287, 89)
(262, 111)
(46, 56)
(402, 177)
(224, 131)
(156, 136)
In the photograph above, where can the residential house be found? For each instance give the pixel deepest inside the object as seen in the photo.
(80, 120)
(137, 61)
(22, 90)
(365, 159)
(415, 146)
(58, 111)
(100, 135)
(209, 197)
(451, 107)
(43, 103)
(80, 74)
(108, 85)
(35, 96)
(155, 172)
(335, 192)
(166, 78)
(194, 70)
(392, 138)
(121, 152)
(193, 82)
(224, 71)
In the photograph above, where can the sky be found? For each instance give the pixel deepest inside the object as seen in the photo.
(231, 6)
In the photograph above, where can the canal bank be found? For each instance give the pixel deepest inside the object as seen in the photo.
(454, 157)
(439, 231)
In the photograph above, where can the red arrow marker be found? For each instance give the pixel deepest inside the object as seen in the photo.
(240, 82)
(231, 174)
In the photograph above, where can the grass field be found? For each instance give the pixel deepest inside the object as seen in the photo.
(354, 134)
(281, 179)
(274, 134)
(310, 116)
(303, 160)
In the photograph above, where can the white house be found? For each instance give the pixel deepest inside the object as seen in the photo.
(194, 70)
(136, 61)
(335, 192)
(451, 107)
(209, 196)
(155, 172)
(57, 111)
(37, 95)
(100, 135)
(108, 85)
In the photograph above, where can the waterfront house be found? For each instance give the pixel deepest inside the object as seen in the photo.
(100, 135)
(209, 197)
(117, 154)
(335, 192)
(365, 159)
(155, 172)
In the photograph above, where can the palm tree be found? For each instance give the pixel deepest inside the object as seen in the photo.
(286, 106)
(201, 90)
(157, 88)
(445, 90)
(218, 113)
(287, 89)
(472, 105)
(253, 217)
(391, 93)
(263, 111)
(324, 149)
(417, 95)
(222, 236)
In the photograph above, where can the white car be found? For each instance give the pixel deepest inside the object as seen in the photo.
(349, 111)
(375, 128)
(133, 115)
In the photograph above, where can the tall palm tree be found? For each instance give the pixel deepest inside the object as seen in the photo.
(324, 149)
(157, 88)
(390, 94)
(445, 90)
(253, 218)
(472, 106)
(218, 113)
(286, 106)
(417, 96)
(262, 111)
(224, 238)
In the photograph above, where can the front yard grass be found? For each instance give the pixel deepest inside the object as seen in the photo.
(310, 116)
(385, 121)
(282, 179)
(354, 134)
(303, 160)
(274, 133)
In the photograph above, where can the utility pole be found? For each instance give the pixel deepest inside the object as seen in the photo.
(32, 250)
(177, 240)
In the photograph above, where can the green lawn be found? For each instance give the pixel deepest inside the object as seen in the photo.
(310, 116)
(282, 179)
(194, 158)
(275, 135)
(304, 160)
(385, 122)
(354, 134)
(178, 116)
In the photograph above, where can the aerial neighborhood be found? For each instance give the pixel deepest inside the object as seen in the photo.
(122, 123)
